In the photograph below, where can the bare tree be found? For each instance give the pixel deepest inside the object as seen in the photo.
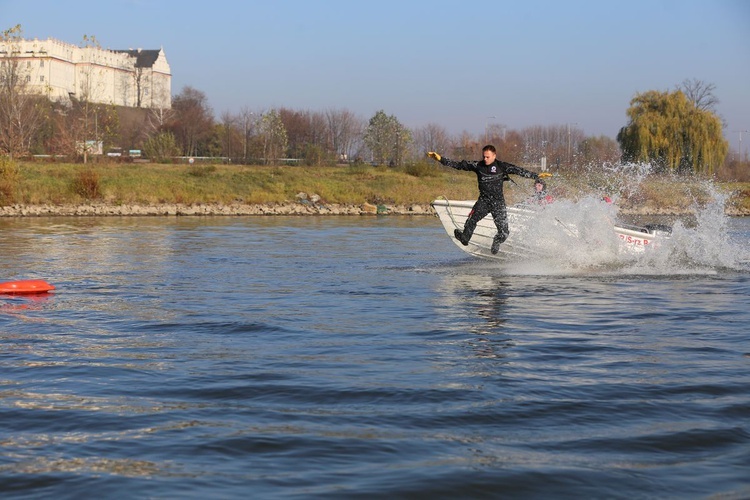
(247, 122)
(466, 146)
(431, 137)
(514, 148)
(193, 120)
(599, 150)
(22, 112)
(297, 126)
(160, 114)
(158, 118)
(345, 130)
(83, 101)
(700, 93)
(559, 144)
(319, 146)
(230, 135)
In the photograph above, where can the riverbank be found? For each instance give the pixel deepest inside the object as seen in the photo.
(211, 209)
(271, 209)
(37, 189)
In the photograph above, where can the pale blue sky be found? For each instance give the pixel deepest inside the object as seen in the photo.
(450, 62)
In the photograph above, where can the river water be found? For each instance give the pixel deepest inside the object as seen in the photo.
(275, 357)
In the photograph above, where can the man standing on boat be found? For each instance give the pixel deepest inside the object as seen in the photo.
(491, 173)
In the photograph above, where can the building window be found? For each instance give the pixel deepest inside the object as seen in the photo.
(41, 63)
(28, 78)
(41, 78)
(28, 64)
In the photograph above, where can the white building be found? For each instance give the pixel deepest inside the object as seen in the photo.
(61, 71)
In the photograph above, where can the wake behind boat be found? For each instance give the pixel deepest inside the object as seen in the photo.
(530, 232)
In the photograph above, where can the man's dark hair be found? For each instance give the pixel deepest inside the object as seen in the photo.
(489, 147)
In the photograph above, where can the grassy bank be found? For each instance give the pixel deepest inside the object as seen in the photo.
(146, 183)
(36, 183)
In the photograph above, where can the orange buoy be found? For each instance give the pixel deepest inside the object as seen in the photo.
(25, 286)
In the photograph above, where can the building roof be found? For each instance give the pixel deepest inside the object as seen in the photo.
(144, 58)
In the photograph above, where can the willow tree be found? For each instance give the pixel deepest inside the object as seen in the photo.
(670, 131)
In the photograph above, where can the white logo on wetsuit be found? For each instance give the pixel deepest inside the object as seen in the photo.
(493, 169)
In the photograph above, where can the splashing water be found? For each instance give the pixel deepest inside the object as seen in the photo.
(706, 245)
(576, 235)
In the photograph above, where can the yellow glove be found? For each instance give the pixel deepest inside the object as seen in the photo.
(434, 155)
(545, 174)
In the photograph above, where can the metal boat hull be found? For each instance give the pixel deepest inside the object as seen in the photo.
(453, 215)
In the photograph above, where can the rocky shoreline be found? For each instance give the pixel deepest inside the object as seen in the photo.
(102, 209)
(239, 209)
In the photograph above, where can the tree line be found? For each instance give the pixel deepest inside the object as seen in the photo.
(675, 130)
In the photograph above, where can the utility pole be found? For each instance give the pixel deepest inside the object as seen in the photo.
(486, 126)
(739, 149)
(570, 158)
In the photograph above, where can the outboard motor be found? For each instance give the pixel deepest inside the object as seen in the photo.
(658, 229)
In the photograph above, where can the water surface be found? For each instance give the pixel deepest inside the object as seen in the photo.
(222, 357)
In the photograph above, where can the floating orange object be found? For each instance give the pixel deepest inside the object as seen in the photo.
(25, 286)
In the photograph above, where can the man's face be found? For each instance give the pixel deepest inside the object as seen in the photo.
(489, 157)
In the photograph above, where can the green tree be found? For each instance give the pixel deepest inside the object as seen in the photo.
(670, 131)
(274, 136)
(387, 139)
(161, 147)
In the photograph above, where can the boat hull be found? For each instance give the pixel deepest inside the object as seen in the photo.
(453, 215)
(522, 220)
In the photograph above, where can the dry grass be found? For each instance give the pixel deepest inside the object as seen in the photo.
(150, 183)
(10, 175)
(157, 183)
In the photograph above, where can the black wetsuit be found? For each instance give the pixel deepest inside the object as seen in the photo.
(491, 199)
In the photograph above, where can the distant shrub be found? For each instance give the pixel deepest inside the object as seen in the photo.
(201, 171)
(86, 185)
(10, 176)
(358, 168)
(421, 169)
(161, 147)
(313, 155)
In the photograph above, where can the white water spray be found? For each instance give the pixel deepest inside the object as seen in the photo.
(574, 235)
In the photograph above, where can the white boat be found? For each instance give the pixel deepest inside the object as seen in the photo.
(524, 241)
